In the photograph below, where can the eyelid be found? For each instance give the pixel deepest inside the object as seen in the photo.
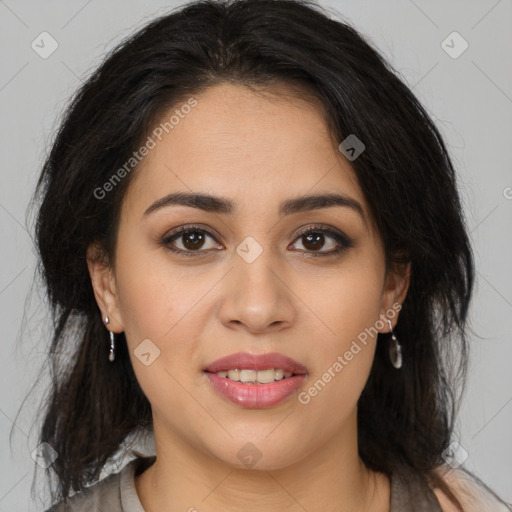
(177, 232)
(324, 228)
(334, 233)
(344, 241)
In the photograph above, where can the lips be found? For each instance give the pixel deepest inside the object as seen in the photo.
(248, 361)
(256, 395)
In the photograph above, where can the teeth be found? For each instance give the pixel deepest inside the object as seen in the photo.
(253, 376)
(249, 375)
(234, 375)
(265, 376)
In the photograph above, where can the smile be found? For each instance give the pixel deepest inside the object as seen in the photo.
(253, 376)
(255, 381)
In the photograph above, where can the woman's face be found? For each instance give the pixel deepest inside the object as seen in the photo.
(248, 279)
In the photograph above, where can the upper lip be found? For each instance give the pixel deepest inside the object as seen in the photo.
(248, 361)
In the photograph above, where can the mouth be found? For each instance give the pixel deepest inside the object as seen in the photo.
(246, 376)
(256, 381)
(262, 368)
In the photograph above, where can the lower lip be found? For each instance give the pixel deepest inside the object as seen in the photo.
(255, 396)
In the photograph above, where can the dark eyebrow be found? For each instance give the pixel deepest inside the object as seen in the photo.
(315, 202)
(198, 200)
(221, 205)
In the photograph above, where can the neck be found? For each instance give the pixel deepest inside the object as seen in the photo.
(331, 478)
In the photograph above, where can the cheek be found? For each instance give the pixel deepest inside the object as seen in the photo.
(144, 297)
(342, 363)
(162, 303)
(348, 302)
(348, 308)
(154, 306)
(153, 294)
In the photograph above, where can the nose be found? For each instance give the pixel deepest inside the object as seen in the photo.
(256, 296)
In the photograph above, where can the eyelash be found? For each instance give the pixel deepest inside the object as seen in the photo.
(344, 241)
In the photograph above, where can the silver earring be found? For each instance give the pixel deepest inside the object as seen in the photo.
(395, 349)
(111, 356)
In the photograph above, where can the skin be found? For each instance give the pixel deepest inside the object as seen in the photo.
(258, 150)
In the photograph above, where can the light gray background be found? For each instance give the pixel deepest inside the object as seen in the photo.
(470, 98)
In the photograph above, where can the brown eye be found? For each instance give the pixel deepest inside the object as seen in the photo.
(193, 240)
(188, 240)
(314, 239)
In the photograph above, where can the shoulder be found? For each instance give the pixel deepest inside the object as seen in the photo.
(103, 495)
(472, 495)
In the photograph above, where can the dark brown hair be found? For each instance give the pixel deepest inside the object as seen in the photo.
(405, 418)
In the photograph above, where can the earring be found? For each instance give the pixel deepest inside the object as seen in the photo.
(395, 349)
(111, 356)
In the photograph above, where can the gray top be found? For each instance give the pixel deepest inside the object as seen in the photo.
(117, 493)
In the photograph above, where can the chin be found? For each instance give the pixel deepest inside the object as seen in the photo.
(257, 456)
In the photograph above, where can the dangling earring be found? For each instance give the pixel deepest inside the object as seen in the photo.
(395, 349)
(111, 356)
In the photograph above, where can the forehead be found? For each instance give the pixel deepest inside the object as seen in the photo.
(256, 147)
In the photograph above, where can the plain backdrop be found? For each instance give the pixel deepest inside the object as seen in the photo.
(468, 94)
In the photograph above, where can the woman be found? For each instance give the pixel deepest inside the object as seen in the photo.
(253, 244)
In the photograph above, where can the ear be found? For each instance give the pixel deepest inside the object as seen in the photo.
(104, 286)
(394, 292)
